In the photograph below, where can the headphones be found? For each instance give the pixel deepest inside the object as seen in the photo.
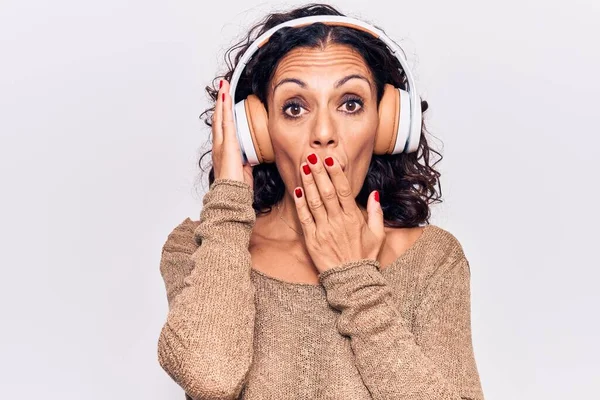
(399, 128)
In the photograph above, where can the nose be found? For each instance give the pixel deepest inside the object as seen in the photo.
(324, 131)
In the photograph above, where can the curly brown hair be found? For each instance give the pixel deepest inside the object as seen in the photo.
(407, 187)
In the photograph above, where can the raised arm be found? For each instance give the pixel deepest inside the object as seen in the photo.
(206, 342)
(436, 361)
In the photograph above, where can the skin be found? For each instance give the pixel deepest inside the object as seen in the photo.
(325, 124)
(339, 122)
(329, 121)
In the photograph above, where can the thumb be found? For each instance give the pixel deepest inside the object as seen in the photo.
(375, 214)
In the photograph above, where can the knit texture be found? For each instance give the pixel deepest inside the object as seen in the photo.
(365, 332)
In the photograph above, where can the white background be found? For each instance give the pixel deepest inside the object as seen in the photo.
(100, 138)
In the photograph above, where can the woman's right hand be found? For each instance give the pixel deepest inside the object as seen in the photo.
(226, 154)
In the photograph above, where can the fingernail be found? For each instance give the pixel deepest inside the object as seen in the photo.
(312, 158)
(329, 161)
(223, 96)
(220, 83)
(377, 196)
(298, 193)
(306, 169)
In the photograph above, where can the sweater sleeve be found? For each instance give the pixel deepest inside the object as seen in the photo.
(206, 343)
(436, 361)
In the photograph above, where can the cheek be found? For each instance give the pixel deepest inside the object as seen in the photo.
(287, 145)
(287, 151)
(362, 127)
(288, 140)
(360, 138)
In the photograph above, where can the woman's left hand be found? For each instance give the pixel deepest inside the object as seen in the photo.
(334, 229)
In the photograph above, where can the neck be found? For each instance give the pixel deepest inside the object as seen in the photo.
(287, 211)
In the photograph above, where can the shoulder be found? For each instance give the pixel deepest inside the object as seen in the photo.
(431, 240)
(430, 249)
(182, 237)
(444, 241)
(445, 251)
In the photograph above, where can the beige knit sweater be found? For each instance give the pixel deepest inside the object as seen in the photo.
(232, 332)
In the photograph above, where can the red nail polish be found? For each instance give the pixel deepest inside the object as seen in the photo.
(376, 196)
(306, 169)
(329, 161)
(223, 97)
(298, 193)
(220, 83)
(312, 158)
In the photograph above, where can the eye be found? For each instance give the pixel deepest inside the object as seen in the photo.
(295, 106)
(354, 101)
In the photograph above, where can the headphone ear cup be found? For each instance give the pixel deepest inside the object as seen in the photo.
(394, 121)
(257, 118)
(388, 121)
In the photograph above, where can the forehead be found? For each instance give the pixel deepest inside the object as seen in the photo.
(320, 61)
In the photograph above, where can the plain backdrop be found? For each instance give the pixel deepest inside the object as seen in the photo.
(100, 139)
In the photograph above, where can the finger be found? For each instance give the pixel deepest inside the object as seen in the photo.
(375, 214)
(217, 123)
(229, 135)
(346, 201)
(304, 214)
(313, 198)
(325, 186)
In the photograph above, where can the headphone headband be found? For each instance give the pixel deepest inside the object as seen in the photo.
(337, 20)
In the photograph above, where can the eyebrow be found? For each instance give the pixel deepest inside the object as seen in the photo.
(336, 84)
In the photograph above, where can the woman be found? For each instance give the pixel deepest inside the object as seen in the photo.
(299, 281)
